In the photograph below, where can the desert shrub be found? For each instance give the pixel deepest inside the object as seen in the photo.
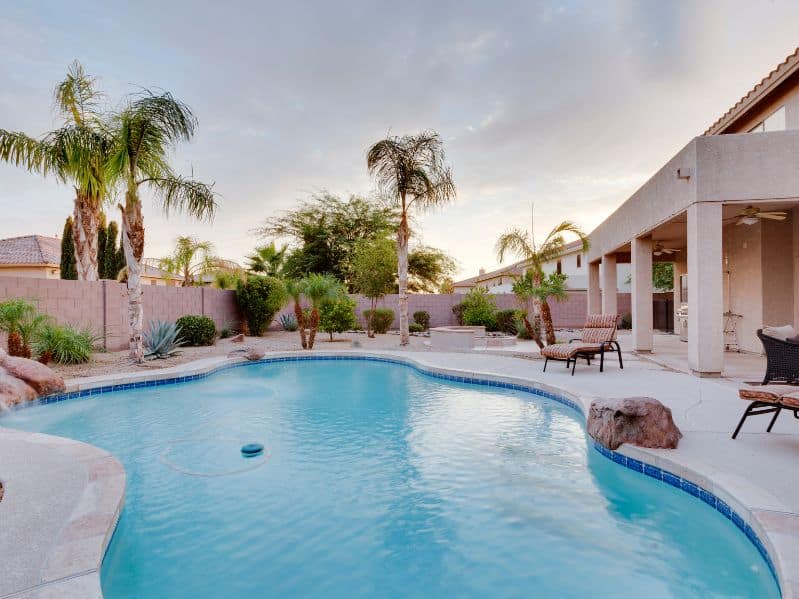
(382, 320)
(457, 310)
(337, 315)
(422, 318)
(64, 344)
(162, 339)
(196, 329)
(260, 298)
(626, 322)
(227, 330)
(415, 327)
(289, 322)
(506, 321)
(479, 309)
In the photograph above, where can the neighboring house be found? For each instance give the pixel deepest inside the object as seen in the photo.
(33, 256)
(572, 263)
(728, 203)
(39, 257)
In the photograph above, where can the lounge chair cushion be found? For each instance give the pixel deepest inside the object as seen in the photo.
(790, 400)
(565, 351)
(782, 333)
(768, 393)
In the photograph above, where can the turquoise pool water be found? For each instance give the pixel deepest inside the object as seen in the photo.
(379, 481)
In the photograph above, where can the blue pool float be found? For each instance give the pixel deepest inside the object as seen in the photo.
(252, 449)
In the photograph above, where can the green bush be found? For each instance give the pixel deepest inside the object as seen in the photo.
(506, 321)
(479, 309)
(227, 330)
(422, 318)
(337, 315)
(457, 310)
(64, 344)
(196, 329)
(260, 298)
(382, 319)
(626, 322)
(415, 327)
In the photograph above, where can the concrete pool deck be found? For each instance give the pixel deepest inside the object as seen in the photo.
(755, 474)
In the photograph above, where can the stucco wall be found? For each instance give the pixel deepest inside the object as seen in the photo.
(102, 305)
(42, 272)
(743, 281)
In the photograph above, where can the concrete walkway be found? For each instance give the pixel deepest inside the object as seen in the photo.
(756, 474)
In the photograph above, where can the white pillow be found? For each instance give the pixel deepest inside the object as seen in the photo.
(781, 333)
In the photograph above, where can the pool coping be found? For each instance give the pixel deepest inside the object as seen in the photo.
(774, 533)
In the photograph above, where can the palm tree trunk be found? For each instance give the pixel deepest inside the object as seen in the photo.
(546, 318)
(300, 323)
(313, 325)
(402, 268)
(536, 333)
(133, 246)
(369, 321)
(86, 217)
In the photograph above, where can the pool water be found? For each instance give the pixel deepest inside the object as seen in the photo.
(379, 481)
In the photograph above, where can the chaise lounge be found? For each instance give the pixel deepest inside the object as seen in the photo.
(768, 399)
(598, 337)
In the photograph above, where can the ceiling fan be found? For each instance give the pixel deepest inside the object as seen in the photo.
(659, 250)
(751, 215)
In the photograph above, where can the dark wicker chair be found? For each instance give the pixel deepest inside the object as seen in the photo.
(782, 359)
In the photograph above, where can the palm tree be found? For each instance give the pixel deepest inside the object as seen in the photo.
(294, 289)
(190, 259)
(535, 256)
(144, 131)
(410, 171)
(20, 320)
(317, 288)
(76, 154)
(267, 259)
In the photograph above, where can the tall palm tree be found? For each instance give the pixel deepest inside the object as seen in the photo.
(191, 259)
(522, 244)
(294, 290)
(76, 154)
(144, 131)
(317, 288)
(267, 259)
(411, 172)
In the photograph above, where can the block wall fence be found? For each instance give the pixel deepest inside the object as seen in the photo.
(102, 305)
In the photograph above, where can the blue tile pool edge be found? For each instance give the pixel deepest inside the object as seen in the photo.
(639, 466)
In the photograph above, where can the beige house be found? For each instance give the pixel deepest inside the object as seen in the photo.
(39, 257)
(725, 210)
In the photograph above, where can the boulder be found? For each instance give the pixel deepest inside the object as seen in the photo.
(13, 390)
(43, 380)
(237, 338)
(251, 353)
(642, 421)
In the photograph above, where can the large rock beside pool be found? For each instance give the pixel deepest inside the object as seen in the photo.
(36, 375)
(641, 421)
(13, 390)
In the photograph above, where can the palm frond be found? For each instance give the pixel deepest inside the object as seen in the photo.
(77, 97)
(35, 155)
(181, 194)
(515, 241)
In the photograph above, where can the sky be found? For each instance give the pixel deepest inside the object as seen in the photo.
(569, 106)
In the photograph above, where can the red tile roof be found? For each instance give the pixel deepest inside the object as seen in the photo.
(35, 250)
(781, 72)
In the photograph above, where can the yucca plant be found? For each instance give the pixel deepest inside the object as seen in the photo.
(162, 340)
(64, 344)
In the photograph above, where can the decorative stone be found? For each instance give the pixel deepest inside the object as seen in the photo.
(642, 421)
(251, 353)
(43, 380)
(237, 338)
(13, 390)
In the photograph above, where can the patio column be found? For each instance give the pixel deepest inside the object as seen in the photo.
(705, 291)
(594, 291)
(609, 285)
(642, 294)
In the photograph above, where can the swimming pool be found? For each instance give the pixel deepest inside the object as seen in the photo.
(380, 481)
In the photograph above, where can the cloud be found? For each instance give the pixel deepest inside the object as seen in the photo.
(570, 105)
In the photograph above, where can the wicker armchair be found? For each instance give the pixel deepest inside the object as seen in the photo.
(782, 359)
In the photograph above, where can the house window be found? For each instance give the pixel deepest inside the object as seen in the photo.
(579, 260)
(559, 268)
(774, 122)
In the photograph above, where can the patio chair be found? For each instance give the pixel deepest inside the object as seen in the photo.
(598, 337)
(782, 359)
(771, 399)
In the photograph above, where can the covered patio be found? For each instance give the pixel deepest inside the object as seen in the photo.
(732, 265)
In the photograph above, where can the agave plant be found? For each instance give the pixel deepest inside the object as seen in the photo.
(162, 340)
(289, 322)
